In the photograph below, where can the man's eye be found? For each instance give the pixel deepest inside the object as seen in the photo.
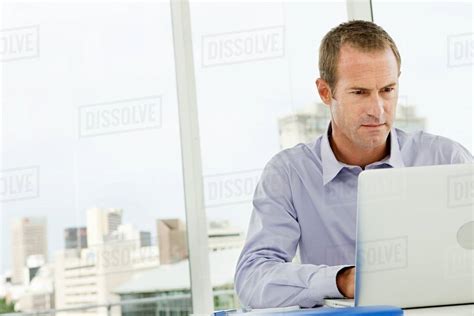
(358, 92)
(388, 89)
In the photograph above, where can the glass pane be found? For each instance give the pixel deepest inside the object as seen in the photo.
(91, 183)
(256, 64)
(435, 40)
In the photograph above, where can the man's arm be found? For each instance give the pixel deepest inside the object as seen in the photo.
(265, 276)
(461, 155)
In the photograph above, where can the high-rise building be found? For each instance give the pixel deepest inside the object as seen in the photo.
(101, 223)
(172, 240)
(29, 237)
(312, 121)
(75, 238)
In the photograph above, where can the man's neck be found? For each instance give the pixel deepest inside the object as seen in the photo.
(351, 155)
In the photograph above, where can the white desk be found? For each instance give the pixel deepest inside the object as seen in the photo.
(461, 310)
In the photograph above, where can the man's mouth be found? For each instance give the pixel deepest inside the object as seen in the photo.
(372, 125)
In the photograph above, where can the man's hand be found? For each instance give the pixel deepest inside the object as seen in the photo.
(345, 281)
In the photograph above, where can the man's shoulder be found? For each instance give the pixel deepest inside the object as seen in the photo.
(298, 155)
(422, 139)
(430, 148)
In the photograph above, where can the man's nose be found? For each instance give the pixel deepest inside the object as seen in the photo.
(375, 106)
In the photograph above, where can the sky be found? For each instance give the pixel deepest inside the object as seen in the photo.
(64, 62)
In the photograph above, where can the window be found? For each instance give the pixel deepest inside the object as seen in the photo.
(435, 42)
(91, 156)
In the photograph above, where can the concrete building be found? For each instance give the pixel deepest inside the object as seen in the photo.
(102, 222)
(88, 276)
(29, 237)
(172, 240)
(75, 238)
(91, 275)
(307, 124)
(39, 294)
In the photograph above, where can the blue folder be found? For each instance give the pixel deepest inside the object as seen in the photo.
(322, 311)
(347, 311)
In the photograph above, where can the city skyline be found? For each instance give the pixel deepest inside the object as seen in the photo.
(121, 232)
(120, 251)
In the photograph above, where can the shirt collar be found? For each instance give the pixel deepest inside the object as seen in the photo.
(331, 166)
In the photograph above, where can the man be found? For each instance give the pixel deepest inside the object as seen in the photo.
(306, 196)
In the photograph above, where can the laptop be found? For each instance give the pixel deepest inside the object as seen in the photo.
(415, 237)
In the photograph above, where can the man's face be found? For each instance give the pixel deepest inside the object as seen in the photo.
(364, 101)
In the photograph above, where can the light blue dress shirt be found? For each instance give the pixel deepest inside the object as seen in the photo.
(307, 198)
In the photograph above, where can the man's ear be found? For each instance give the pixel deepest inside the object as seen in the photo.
(324, 91)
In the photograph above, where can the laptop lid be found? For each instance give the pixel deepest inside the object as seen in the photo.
(415, 236)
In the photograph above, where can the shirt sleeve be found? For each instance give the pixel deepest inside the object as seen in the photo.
(461, 155)
(265, 276)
